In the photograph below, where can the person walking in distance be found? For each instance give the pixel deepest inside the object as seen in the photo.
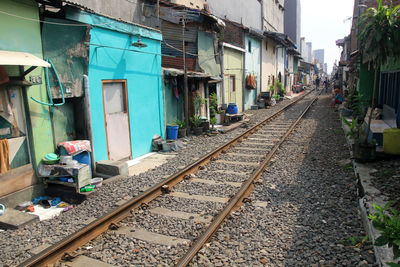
(326, 84)
(317, 82)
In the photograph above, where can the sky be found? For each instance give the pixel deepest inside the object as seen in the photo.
(322, 23)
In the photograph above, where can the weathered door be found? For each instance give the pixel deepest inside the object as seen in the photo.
(116, 115)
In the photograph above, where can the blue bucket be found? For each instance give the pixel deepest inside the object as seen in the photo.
(172, 132)
(232, 108)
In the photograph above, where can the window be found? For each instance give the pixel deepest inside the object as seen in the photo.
(232, 83)
(115, 96)
(249, 44)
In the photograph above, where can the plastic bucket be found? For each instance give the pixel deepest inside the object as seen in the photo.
(172, 132)
(97, 181)
(391, 141)
(232, 108)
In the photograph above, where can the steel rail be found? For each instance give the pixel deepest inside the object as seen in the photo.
(236, 200)
(72, 242)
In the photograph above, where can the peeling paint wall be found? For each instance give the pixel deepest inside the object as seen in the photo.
(67, 47)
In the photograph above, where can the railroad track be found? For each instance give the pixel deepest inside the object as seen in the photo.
(180, 220)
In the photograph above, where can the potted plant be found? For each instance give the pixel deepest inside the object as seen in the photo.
(386, 220)
(281, 90)
(362, 151)
(196, 122)
(181, 129)
(213, 109)
(380, 36)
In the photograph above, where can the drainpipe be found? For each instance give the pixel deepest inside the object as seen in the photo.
(222, 74)
(261, 50)
(88, 119)
(244, 73)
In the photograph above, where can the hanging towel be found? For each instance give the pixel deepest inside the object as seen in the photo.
(4, 156)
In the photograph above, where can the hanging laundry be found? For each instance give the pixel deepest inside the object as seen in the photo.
(72, 147)
(251, 82)
(5, 102)
(4, 156)
(3, 75)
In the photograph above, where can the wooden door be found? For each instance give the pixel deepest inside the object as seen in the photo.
(116, 116)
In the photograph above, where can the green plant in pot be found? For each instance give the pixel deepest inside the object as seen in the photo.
(272, 88)
(281, 90)
(196, 123)
(213, 109)
(387, 221)
(380, 36)
(362, 152)
(181, 129)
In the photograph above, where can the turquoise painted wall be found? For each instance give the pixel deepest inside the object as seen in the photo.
(143, 75)
(253, 66)
(24, 35)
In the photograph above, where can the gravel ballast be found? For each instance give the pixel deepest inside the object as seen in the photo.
(311, 217)
(16, 245)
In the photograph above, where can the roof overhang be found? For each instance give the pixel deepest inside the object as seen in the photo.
(191, 74)
(256, 33)
(280, 38)
(12, 58)
(21, 59)
(292, 51)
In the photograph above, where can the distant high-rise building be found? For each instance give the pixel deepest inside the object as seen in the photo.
(319, 55)
(292, 20)
(309, 55)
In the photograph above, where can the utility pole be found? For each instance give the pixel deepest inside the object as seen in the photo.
(158, 14)
(185, 78)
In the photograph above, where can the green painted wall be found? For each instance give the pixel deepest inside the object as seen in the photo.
(206, 54)
(173, 108)
(64, 123)
(393, 64)
(366, 84)
(295, 65)
(24, 36)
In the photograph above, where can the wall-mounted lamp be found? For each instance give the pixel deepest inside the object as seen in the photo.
(139, 43)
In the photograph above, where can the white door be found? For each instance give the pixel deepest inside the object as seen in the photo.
(116, 115)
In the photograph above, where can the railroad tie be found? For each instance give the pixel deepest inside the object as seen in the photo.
(181, 215)
(150, 237)
(199, 197)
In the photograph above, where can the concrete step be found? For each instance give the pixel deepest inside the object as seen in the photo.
(14, 219)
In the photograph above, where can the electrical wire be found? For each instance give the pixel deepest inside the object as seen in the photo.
(49, 22)
(187, 53)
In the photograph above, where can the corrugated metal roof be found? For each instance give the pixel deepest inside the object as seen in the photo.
(89, 10)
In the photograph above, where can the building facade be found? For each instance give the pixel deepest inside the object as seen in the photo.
(292, 21)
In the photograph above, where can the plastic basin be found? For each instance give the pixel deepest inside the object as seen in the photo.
(391, 141)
